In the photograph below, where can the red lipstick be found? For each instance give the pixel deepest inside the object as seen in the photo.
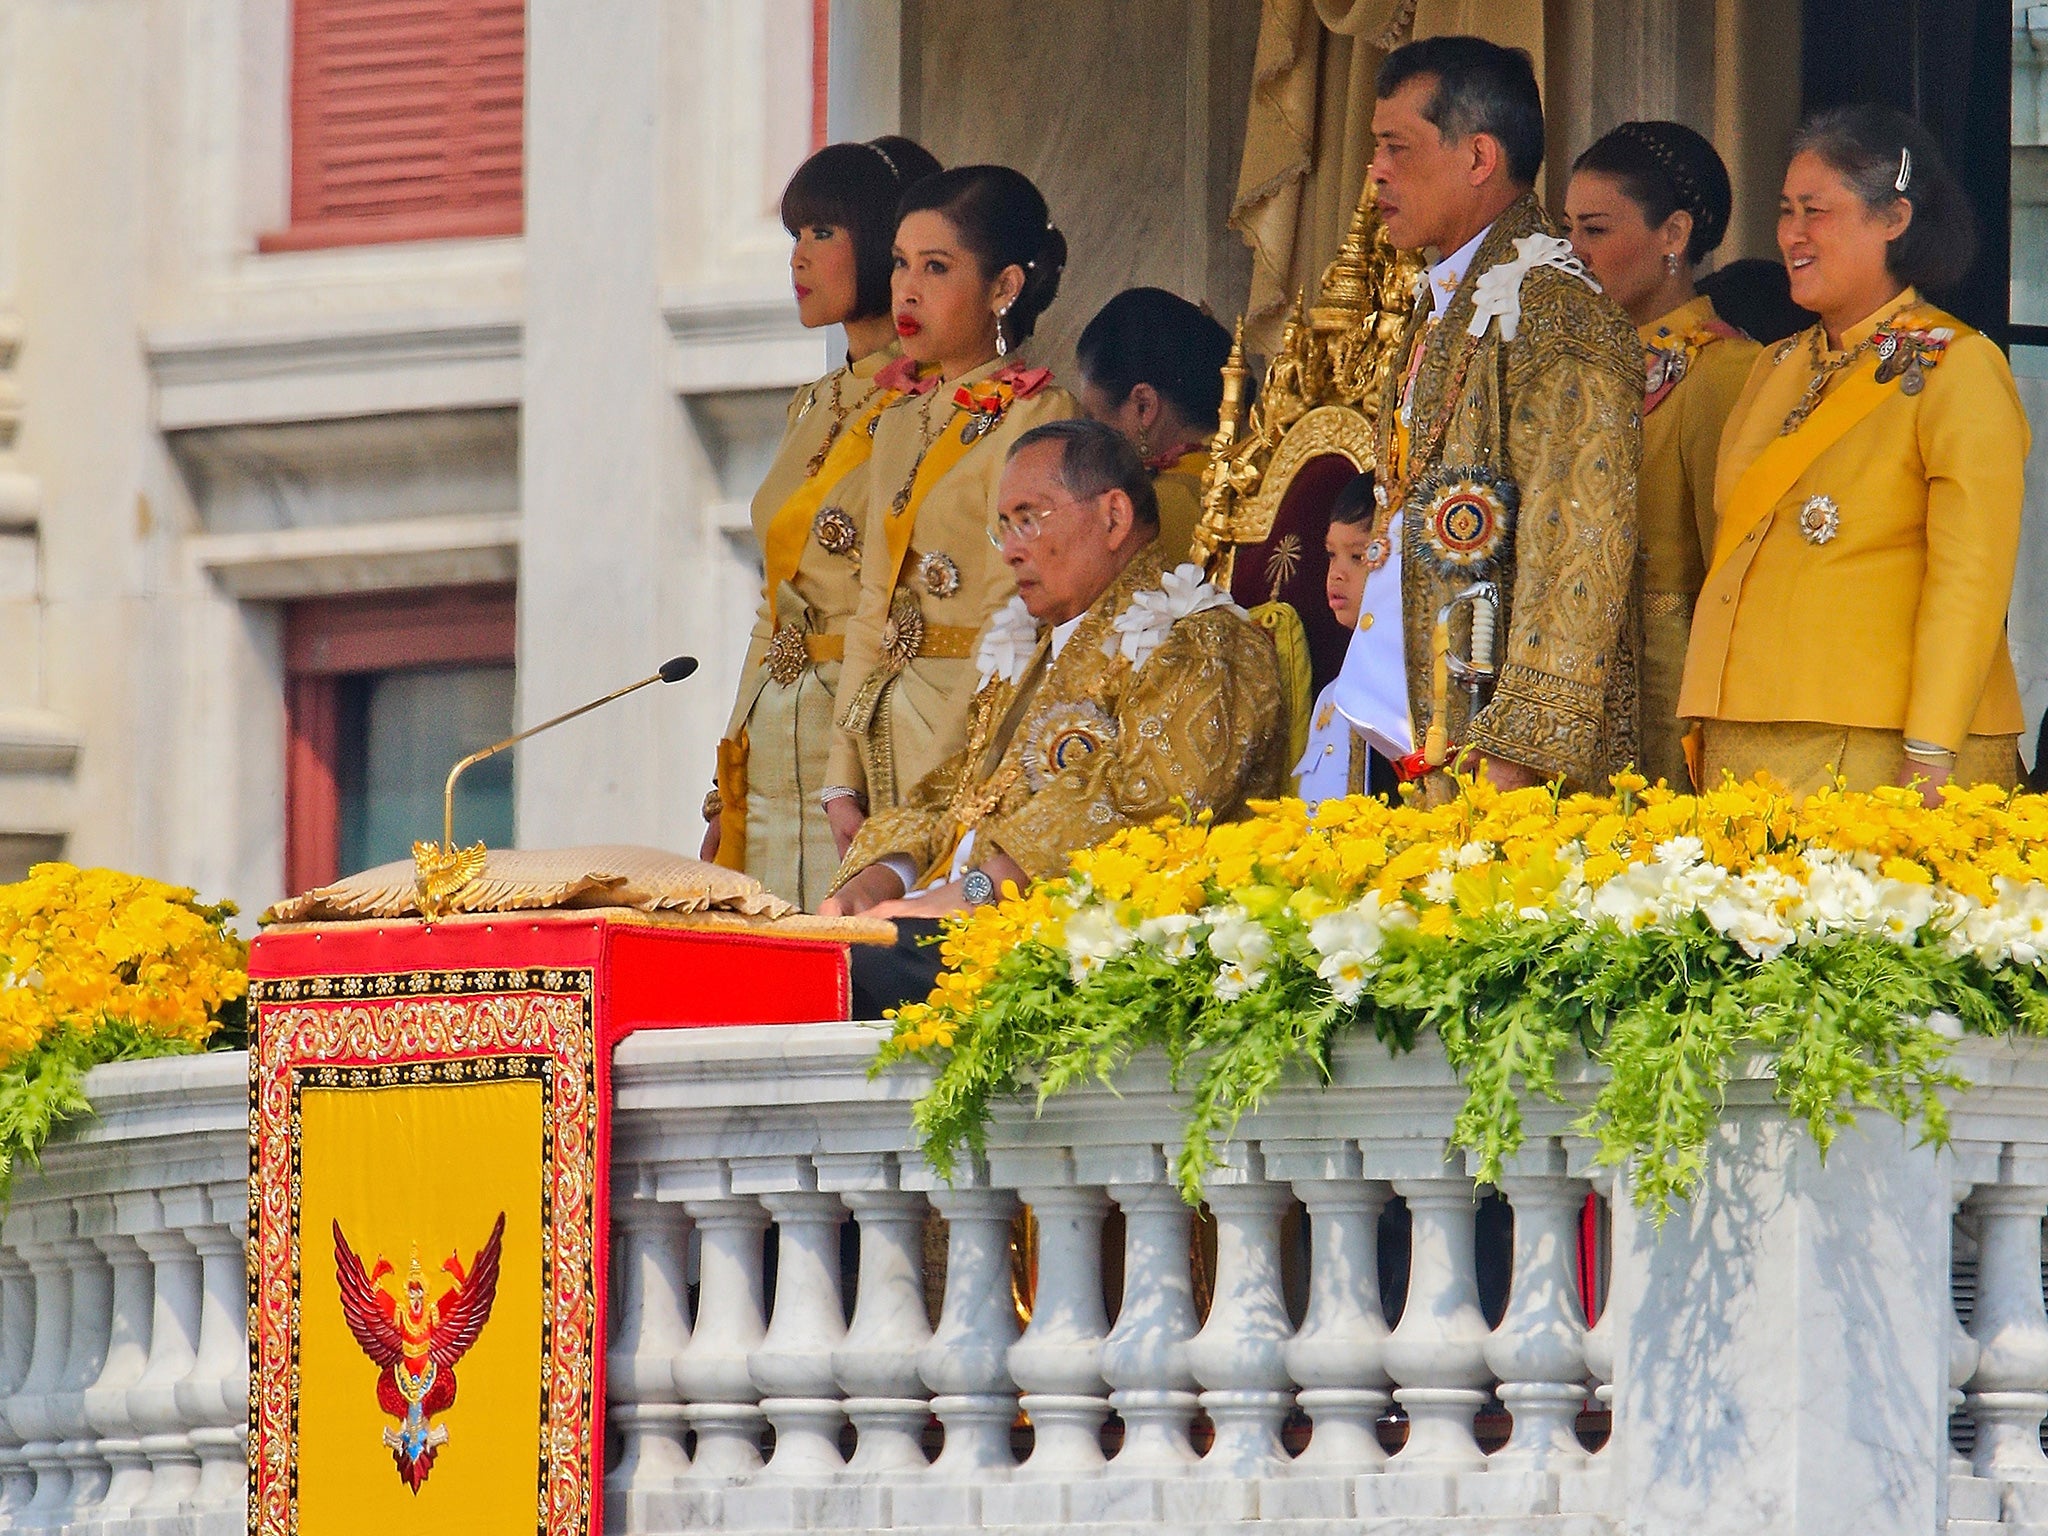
(906, 325)
(802, 292)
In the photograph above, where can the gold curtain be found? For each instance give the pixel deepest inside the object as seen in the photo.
(1308, 134)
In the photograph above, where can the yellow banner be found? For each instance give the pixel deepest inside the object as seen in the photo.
(420, 1175)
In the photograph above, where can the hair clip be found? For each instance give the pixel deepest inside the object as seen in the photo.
(1905, 176)
(898, 175)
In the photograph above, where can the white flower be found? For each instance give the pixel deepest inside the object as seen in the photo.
(1172, 935)
(1241, 942)
(1007, 643)
(1095, 936)
(1440, 887)
(1498, 293)
(1142, 627)
(1472, 855)
(1348, 941)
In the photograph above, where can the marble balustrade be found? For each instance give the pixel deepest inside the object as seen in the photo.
(809, 1331)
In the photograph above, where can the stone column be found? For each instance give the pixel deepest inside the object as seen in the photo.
(1783, 1342)
(653, 1328)
(720, 1400)
(1539, 1351)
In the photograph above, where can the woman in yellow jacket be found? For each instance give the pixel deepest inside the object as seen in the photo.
(976, 261)
(763, 812)
(1151, 365)
(1868, 491)
(1646, 205)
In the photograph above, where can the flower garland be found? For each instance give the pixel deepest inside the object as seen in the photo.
(97, 966)
(1844, 938)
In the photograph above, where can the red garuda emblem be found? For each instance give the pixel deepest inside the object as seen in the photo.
(416, 1342)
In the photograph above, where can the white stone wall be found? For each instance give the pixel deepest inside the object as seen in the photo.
(207, 432)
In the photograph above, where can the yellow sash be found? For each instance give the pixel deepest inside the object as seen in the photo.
(783, 546)
(1778, 468)
(940, 458)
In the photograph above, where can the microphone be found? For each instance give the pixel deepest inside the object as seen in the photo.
(674, 670)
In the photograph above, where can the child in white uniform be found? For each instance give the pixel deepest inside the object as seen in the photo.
(1360, 728)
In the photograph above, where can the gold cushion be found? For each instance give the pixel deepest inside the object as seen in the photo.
(525, 879)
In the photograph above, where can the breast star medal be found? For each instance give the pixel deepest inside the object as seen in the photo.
(1820, 519)
(1468, 515)
(903, 632)
(415, 1342)
(836, 532)
(1065, 736)
(938, 574)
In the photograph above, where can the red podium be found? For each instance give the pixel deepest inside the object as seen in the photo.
(410, 1083)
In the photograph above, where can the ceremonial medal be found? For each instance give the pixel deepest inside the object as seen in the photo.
(938, 573)
(1467, 518)
(1820, 519)
(836, 532)
(1066, 736)
(788, 657)
(979, 424)
(903, 634)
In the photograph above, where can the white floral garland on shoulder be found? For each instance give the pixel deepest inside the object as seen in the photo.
(1498, 293)
(1011, 636)
(1143, 625)
(1007, 644)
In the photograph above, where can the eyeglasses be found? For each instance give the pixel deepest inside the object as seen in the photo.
(1028, 523)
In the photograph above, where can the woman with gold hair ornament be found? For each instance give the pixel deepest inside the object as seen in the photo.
(977, 260)
(1646, 204)
(763, 814)
(1151, 365)
(1853, 620)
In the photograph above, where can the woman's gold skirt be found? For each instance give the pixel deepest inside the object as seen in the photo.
(1807, 756)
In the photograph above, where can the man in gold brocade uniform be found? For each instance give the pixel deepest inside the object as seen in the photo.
(1511, 438)
(1113, 691)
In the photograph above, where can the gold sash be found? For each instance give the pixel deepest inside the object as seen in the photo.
(1778, 468)
(939, 459)
(783, 545)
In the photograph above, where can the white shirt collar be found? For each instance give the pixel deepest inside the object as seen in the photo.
(1445, 276)
(1062, 633)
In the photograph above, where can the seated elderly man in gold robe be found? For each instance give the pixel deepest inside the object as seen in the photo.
(1113, 691)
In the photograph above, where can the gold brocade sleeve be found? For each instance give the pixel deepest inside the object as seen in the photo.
(918, 829)
(1973, 442)
(1574, 444)
(1198, 726)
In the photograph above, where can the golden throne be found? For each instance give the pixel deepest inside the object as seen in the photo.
(1267, 493)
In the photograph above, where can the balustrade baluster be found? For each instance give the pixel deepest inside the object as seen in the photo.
(876, 1365)
(17, 1346)
(1238, 1356)
(2008, 1394)
(1538, 1351)
(793, 1364)
(1145, 1357)
(720, 1401)
(44, 1230)
(1437, 1353)
(966, 1364)
(107, 1406)
(1963, 1352)
(653, 1329)
(173, 1347)
(85, 1474)
(1336, 1355)
(1057, 1364)
(214, 1395)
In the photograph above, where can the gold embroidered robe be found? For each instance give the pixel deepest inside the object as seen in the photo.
(1557, 411)
(1198, 724)
(900, 715)
(788, 725)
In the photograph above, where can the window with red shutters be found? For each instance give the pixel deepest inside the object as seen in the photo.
(407, 120)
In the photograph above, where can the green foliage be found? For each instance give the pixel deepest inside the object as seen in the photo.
(46, 1085)
(1667, 1017)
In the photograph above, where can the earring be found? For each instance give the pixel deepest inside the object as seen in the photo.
(1002, 342)
(1144, 444)
(1671, 263)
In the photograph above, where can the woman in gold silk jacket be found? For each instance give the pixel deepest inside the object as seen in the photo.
(1151, 366)
(1869, 488)
(976, 261)
(1646, 204)
(763, 813)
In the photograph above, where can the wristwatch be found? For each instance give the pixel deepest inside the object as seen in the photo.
(978, 887)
